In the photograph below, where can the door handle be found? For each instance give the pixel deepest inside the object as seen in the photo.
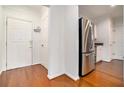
(89, 54)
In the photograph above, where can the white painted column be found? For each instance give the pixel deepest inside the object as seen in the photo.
(63, 41)
(55, 41)
(71, 42)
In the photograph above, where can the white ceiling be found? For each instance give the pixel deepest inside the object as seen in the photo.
(37, 8)
(94, 11)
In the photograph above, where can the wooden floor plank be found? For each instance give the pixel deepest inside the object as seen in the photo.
(105, 75)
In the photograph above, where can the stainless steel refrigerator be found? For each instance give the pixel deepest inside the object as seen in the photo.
(86, 47)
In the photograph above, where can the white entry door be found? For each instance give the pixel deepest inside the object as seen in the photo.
(19, 43)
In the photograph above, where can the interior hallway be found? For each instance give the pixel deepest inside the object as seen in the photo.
(36, 76)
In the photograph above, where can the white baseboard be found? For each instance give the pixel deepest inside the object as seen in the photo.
(1, 72)
(43, 63)
(54, 76)
(59, 74)
(73, 77)
(35, 62)
(107, 60)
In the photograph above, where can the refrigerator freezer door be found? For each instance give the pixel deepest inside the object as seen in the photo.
(88, 63)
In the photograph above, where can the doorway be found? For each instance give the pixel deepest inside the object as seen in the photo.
(19, 43)
(108, 21)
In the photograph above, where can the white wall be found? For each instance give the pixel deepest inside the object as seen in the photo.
(109, 31)
(116, 38)
(44, 37)
(26, 13)
(103, 29)
(56, 41)
(63, 41)
(1, 31)
(71, 42)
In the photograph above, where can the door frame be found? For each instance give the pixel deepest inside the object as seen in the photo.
(6, 38)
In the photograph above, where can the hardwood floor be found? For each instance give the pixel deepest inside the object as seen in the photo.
(36, 76)
(115, 68)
